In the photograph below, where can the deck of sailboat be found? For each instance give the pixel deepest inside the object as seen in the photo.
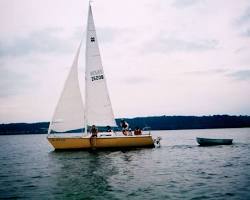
(103, 142)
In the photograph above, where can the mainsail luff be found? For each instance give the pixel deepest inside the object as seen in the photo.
(69, 112)
(98, 109)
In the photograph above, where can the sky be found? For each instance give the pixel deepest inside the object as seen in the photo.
(161, 57)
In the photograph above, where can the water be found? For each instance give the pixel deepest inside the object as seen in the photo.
(179, 169)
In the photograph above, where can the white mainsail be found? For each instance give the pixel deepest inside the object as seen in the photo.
(69, 112)
(98, 109)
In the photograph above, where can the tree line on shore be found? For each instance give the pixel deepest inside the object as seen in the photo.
(153, 123)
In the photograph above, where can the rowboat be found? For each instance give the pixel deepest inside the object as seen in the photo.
(211, 141)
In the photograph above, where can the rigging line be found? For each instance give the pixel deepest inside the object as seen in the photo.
(91, 1)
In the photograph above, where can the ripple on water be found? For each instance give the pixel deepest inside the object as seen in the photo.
(179, 169)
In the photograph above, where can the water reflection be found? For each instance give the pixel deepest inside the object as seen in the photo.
(81, 174)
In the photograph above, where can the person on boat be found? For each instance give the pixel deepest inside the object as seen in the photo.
(94, 131)
(130, 132)
(137, 131)
(124, 126)
(109, 129)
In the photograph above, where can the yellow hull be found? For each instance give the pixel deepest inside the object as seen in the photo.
(66, 143)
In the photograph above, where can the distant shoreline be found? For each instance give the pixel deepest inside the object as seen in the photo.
(154, 122)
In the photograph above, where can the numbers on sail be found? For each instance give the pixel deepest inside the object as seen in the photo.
(95, 78)
(96, 75)
(92, 39)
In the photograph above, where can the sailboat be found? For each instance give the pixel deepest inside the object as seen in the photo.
(72, 115)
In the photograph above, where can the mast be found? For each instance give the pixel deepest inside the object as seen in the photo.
(85, 92)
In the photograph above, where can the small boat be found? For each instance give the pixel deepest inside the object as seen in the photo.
(210, 141)
(72, 115)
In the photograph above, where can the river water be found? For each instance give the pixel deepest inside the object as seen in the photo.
(179, 169)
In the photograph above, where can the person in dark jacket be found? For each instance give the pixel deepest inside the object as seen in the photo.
(94, 131)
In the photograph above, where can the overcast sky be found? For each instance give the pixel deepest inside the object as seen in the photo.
(161, 57)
